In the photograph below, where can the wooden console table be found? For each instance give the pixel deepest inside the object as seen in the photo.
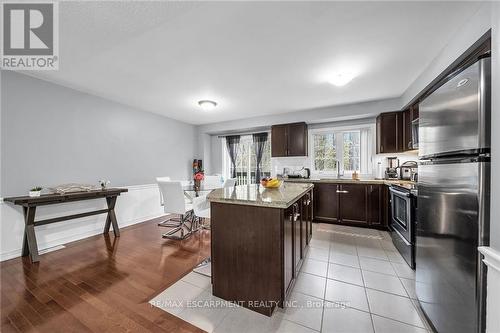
(29, 205)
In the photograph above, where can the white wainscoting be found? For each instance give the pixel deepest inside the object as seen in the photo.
(492, 260)
(140, 203)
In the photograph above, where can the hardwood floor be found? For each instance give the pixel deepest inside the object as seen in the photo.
(99, 284)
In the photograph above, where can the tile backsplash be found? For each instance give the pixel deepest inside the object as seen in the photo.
(294, 163)
(297, 163)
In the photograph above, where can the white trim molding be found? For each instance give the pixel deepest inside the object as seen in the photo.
(492, 260)
(140, 203)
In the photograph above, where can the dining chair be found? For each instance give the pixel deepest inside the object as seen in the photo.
(230, 182)
(213, 181)
(201, 210)
(171, 221)
(175, 203)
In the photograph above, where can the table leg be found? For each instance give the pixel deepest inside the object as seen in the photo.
(111, 219)
(29, 241)
(25, 251)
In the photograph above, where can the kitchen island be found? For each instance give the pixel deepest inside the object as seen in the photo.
(259, 238)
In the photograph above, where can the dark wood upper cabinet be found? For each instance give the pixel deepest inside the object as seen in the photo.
(407, 138)
(409, 116)
(390, 132)
(279, 141)
(289, 140)
(414, 112)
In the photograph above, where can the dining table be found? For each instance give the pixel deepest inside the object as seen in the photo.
(191, 191)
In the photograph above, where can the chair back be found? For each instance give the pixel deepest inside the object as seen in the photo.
(201, 206)
(159, 179)
(230, 182)
(173, 196)
(212, 181)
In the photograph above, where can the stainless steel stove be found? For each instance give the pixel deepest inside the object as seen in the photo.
(403, 220)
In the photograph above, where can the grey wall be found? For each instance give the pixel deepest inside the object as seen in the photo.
(52, 135)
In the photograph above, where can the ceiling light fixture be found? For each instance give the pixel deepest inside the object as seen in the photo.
(341, 79)
(207, 105)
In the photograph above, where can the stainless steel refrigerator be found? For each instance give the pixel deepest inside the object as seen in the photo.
(453, 200)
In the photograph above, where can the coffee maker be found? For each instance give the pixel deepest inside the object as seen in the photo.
(391, 171)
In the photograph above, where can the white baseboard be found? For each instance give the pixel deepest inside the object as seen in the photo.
(141, 203)
(492, 260)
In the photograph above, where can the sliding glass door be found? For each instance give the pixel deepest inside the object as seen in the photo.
(246, 161)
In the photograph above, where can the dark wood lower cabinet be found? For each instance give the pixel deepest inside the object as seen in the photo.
(326, 202)
(297, 235)
(351, 204)
(375, 205)
(288, 242)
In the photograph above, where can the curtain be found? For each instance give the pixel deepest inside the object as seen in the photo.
(232, 144)
(259, 143)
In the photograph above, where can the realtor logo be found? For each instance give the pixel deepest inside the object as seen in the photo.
(30, 36)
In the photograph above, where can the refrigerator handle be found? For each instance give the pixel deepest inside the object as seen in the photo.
(484, 240)
(484, 116)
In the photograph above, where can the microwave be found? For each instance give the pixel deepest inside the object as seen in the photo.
(414, 134)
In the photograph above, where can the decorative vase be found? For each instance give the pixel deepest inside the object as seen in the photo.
(34, 194)
(197, 184)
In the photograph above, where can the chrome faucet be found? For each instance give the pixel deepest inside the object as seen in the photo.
(337, 165)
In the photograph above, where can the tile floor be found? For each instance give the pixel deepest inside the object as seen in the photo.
(352, 280)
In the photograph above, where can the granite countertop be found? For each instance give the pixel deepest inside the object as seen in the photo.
(350, 181)
(257, 195)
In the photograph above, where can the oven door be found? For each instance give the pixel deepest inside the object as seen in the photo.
(401, 213)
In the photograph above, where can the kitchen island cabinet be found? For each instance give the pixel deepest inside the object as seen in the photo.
(259, 238)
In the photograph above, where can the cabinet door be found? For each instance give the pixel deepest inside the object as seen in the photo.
(414, 111)
(311, 215)
(386, 207)
(297, 223)
(389, 132)
(375, 213)
(297, 139)
(278, 140)
(326, 202)
(407, 144)
(307, 216)
(304, 225)
(353, 203)
(288, 249)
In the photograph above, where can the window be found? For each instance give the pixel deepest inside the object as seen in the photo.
(348, 149)
(246, 161)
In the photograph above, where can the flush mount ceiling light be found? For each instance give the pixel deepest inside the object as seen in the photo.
(341, 79)
(207, 105)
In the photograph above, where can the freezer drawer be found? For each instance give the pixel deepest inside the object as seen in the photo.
(452, 222)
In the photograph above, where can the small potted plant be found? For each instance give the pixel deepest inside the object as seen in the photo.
(35, 192)
(104, 183)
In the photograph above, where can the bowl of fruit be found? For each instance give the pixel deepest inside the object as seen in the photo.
(271, 182)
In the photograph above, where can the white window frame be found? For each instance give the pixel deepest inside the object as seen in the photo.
(366, 148)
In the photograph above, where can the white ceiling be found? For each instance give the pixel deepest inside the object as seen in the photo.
(253, 58)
